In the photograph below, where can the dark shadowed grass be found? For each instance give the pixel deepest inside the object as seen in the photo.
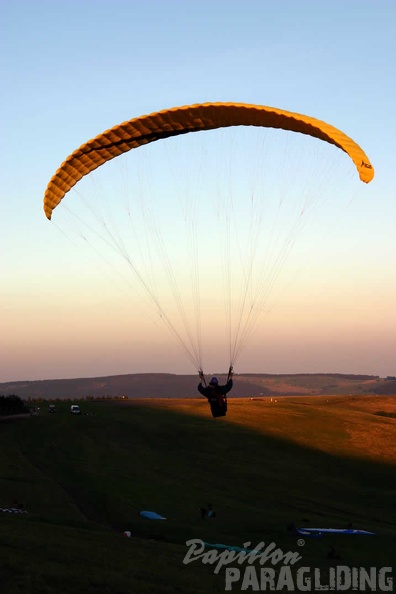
(84, 480)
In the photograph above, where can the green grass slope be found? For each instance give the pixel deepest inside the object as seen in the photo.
(84, 480)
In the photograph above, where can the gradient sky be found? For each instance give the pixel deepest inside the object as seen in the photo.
(71, 70)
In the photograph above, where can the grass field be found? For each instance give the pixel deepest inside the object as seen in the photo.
(315, 461)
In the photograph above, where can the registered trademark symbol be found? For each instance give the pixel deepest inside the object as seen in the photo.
(301, 542)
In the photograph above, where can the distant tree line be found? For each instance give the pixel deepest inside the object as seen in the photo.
(41, 400)
(348, 376)
(12, 405)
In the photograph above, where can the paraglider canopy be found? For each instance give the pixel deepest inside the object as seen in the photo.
(207, 254)
(192, 118)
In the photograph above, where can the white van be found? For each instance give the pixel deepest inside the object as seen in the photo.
(75, 409)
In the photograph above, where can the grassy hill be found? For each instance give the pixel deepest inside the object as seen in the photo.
(167, 385)
(319, 462)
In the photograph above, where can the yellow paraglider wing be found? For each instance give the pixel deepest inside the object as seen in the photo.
(182, 120)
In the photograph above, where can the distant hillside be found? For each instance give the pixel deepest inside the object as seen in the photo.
(388, 387)
(165, 385)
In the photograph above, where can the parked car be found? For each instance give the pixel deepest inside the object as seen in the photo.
(75, 409)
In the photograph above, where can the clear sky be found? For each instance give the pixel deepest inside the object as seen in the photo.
(71, 70)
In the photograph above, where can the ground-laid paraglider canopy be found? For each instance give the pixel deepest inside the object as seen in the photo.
(150, 515)
(321, 531)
